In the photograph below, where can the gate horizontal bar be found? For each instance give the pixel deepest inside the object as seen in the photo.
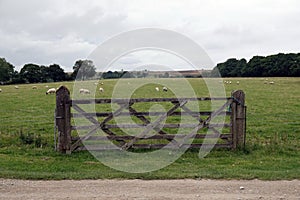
(105, 114)
(136, 100)
(109, 126)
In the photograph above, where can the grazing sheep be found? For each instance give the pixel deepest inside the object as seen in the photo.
(101, 89)
(229, 82)
(46, 86)
(165, 89)
(51, 91)
(101, 83)
(237, 82)
(84, 91)
(16, 87)
(34, 87)
(0, 90)
(157, 89)
(271, 82)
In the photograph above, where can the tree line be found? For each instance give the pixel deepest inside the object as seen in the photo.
(33, 73)
(279, 65)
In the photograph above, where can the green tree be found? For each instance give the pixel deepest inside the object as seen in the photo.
(231, 68)
(6, 71)
(17, 78)
(294, 69)
(32, 73)
(83, 69)
(255, 67)
(55, 73)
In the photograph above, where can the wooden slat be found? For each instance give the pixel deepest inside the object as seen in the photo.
(110, 126)
(151, 146)
(122, 101)
(105, 114)
(167, 136)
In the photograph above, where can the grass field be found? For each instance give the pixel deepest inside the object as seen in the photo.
(272, 141)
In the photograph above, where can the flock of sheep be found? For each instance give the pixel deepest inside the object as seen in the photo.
(229, 82)
(266, 81)
(81, 91)
(101, 89)
(164, 89)
(53, 90)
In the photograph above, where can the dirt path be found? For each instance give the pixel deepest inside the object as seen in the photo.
(153, 189)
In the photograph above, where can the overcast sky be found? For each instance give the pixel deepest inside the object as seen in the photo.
(58, 31)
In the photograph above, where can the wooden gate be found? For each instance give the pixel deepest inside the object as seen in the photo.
(233, 108)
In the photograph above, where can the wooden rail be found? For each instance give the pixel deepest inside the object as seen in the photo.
(234, 107)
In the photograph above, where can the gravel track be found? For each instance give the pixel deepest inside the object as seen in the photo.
(149, 189)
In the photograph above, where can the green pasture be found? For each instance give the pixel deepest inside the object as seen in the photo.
(272, 141)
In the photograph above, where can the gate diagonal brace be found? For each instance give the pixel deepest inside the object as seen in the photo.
(205, 123)
(99, 125)
(147, 122)
(186, 109)
(150, 127)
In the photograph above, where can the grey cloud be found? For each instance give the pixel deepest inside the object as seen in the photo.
(63, 31)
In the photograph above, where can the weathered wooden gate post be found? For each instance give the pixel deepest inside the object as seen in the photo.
(63, 119)
(238, 119)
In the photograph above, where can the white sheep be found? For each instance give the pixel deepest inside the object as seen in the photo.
(165, 89)
(84, 91)
(51, 91)
(34, 87)
(101, 89)
(157, 89)
(46, 86)
(0, 90)
(237, 82)
(16, 87)
(271, 82)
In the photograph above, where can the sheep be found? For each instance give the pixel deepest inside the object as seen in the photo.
(101, 89)
(46, 86)
(34, 87)
(271, 82)
(51, 91)
(0, 90)
(84, 91)
(165, 89)
(157, 89)
(237, 82)
(16, 87)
